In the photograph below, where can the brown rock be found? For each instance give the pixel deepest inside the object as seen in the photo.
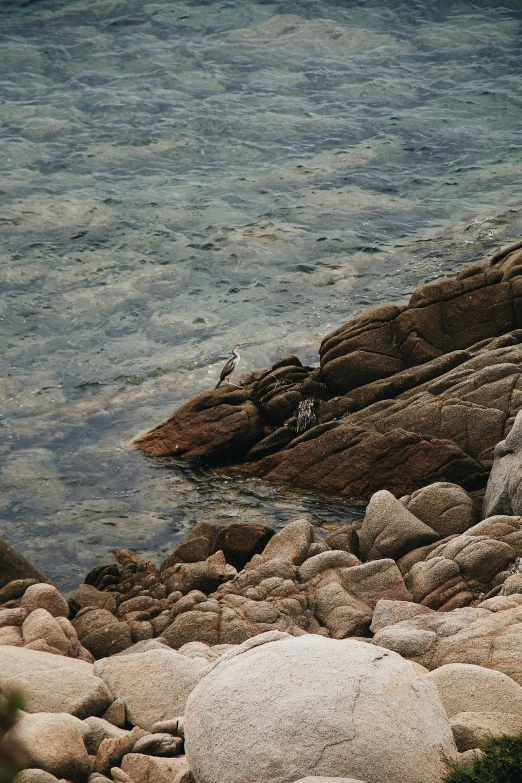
(216, 424)
(389, 530)
(240, 541)
(53, 742)
(424, 394)
(291, 543)
(87, 595)
(112, 749)
(14, 567)
(15, 589)
(445, 507)
(150, 769)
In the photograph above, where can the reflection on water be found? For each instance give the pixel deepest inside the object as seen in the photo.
(178, 177)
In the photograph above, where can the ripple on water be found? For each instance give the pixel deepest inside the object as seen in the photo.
(176, 177)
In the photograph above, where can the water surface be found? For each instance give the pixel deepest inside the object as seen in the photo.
(176, 177)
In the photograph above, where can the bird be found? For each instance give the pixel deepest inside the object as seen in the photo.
(231, 365)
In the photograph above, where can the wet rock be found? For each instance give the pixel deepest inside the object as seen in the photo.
(280, 741)
(217, 424)
(464, 687)
(473, 729)
(53, 683)
(445, 507)
(357, 460)
(14, 567)
(389, 530)
(154, 685)
(53, 742)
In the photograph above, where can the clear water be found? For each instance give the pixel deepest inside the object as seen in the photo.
(176, 177)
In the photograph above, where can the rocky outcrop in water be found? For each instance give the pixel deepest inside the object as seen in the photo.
(404, 396)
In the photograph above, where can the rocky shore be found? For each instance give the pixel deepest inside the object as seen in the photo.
(404, 396)
(377, 652)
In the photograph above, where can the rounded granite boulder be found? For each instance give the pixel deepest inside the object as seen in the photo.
(312, 706)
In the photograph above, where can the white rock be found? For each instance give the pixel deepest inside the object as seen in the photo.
(53, 683)
(310, 705)
(43, 596)
(464, 687)
(53, 742)
(154, 685)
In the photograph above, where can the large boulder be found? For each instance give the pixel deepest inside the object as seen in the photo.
(357, 712)
(154, 685)
(404, 397)
(53, 742)
(464, 687)
(488, 636)
(54, 683)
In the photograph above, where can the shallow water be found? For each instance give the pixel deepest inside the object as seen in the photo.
(178, 177)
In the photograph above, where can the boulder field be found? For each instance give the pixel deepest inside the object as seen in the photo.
(271, 657)
(404, 396)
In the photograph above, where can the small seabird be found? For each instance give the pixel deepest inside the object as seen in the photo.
(231, 365)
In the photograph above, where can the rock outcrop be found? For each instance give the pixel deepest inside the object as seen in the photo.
(404, 396)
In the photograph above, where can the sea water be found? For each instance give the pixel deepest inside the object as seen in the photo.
(176, 177)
